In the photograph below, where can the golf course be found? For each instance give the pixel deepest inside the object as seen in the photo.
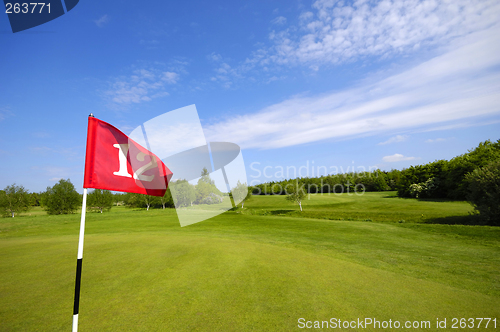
(266, 267)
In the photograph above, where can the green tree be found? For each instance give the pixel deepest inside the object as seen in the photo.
(167, 200)
(119, 198)
(424, 189)
(139, 200)
(459, 166)
(247, 197)
(241, 193)
(14, 199)
(35, 199)
(205, 177)
(484, 192)
(146, 200)
(100, 200)
(295, 194)
(62, 198)
(449, 175)
(183, 192)
(128, 199)
(206, 192)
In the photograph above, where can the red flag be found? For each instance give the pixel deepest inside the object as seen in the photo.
(115, 162)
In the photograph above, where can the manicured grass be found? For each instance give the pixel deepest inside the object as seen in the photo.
(374, 206)
(249, 270)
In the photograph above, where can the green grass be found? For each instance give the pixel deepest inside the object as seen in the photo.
(257, 269)
(376, 206)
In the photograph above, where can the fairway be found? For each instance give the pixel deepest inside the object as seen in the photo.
(260, 268)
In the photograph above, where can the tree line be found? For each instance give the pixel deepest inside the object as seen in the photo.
(473, 176)
(62, 198)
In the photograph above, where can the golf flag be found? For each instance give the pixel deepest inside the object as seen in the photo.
(115, 162)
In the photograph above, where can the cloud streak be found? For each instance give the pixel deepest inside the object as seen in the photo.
(102, 21)
(395, 139)
(280, 20)
(396, 157)
(334, 32)
(435, 140)
(458, 86)
(142, 86)
(338, 32)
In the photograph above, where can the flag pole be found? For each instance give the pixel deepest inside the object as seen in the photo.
(79, 258)
(79, 263)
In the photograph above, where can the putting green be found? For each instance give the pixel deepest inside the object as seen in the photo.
(163, 281)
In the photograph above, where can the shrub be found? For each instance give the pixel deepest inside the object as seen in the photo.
(62, 198)
(484, 192)
(424, 189)
(14, 199)
(212, 199)
(100, 200)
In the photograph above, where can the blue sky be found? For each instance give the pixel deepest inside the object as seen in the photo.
(295, 83)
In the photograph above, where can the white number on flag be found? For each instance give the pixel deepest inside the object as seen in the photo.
(122, 157)
(152, 164)
(138, 175)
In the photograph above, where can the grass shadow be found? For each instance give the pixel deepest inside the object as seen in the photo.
(457, 220)
(440, 200)
(426, 199)
(278, 212)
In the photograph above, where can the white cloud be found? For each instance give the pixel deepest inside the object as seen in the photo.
(338, 31)
(214, 56)
(226, 74)
(395, 139)
(101, 21)
(280, 20)
(306, 16)
(142, 86)
(170, 77)
(457, 86)
(436, 140)
(396, 157)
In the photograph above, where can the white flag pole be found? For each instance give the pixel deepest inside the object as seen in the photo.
(79, 258)
(79, 263)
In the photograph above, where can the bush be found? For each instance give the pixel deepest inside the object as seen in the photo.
(484, 192)
(100, 200)
(424, 189)
(62, 198)
(212, 199)
(14, 199)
